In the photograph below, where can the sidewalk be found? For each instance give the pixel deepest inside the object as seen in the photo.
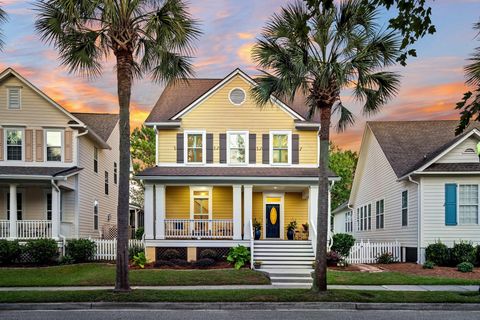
(450, 288)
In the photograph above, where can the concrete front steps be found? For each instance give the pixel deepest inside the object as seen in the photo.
(288, 263)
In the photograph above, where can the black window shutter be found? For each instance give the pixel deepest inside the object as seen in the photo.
(209, 147)
(179, 147)
(295, 149)
(252, 148)
(223, 148)
(265, 149)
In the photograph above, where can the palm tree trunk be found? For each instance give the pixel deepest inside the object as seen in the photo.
(320, 277)
(124, 87)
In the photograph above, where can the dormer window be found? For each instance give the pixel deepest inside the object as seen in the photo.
(13, 98)
(237, 96)
(14, 144)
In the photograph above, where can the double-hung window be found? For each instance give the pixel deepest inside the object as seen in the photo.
(380, 214)
(348, 222)
(115, 172)
(14, 144)
(237, 147)
(14, 98)
(95, 215)
(54, 145)
(405, 208)
(95, 159)
(364, 218)
(358, 220)
(468, 204)
(195, 147)
(281, 147)
(106, 182)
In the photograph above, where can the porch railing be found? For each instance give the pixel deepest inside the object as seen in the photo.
(198, 229)
(34, 229)
(4, 229)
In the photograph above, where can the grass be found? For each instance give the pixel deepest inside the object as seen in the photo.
(271, 295)
(101, 274)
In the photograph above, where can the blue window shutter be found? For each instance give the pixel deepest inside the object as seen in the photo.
(450, 204)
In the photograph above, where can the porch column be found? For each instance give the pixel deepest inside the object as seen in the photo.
(237, 212)
(160, 211)
(148, 211)
(247, 211)
(13, 211)
(312, 209)
(55, 213)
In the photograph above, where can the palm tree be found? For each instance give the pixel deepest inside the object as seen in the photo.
(321, 52)
(470, 103)
(146, 37)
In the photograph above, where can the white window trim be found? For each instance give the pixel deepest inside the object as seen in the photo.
(458, 205)
(349, 223)
(19, 97)
(237, 104)
(408, 208)
(280, 195)
(62, 133)
(96, 202)
(210, 200)
(277, 132)
(204, 146)
(247, 136)
(375, 213)
(6, 146)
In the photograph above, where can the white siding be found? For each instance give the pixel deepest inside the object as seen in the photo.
(375, 180)
(433, 213)
(458, 154)
(339, 221)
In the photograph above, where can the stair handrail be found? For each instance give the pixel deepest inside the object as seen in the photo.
(313, 228)
(251, 243)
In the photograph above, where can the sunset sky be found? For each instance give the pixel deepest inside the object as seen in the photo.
(431, 83)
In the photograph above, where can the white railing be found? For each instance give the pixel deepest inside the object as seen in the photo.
(312, 229)
(198, 229)
(4, 229)
(107, 249)
(34, 229)
(368, 252)
(252, 238)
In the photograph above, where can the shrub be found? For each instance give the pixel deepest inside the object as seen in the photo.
(163, 263)
(81, 250)
(386, 258)
(139, 233)
(478, 256)
(463, 252)
(170, 254)
(180, 262)
(465, 267)
(342, 243)
(42, 251)
(140, 260)
(333, 258)
(204, 263)
(66, 259)
(10, 251)
(239, 256)
(209, 254)
(428, 265)
(438, 253)
(134, 250)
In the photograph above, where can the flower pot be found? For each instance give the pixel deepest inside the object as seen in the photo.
(258, 233)
(290, 234)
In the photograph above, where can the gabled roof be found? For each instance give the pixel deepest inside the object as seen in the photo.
(180, 96)
(410, 145)
(101, 123)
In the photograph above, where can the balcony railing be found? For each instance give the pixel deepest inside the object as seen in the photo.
(198, 229)
(4, 229)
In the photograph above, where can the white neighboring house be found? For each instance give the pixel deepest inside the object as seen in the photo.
(416, 183)
(58, 170)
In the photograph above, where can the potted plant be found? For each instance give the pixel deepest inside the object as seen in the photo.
(305, 230)
(257, 264)
(292, 226)
(258, 229)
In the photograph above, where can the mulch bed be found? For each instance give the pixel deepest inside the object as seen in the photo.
(350, 267)
(446, 272)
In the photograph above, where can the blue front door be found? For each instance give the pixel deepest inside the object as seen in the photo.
(272, 220)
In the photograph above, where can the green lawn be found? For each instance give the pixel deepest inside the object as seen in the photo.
(271, 295)
(104, 275)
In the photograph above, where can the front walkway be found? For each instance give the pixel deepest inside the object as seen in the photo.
(451, 288)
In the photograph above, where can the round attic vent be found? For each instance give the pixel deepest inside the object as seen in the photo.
(237, 96)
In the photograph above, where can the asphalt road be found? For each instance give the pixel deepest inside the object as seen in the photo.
(238, 314)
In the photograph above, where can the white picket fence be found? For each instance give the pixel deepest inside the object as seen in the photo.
(367, 252)
(107, 249)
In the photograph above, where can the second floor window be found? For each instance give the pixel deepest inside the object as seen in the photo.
(280, 148)
(405, 208)
(14, 144)
(95, 159)
(106, 182)
(115, 172)
(54, 145)
(237, 147)
(195, 148)
(14, 99)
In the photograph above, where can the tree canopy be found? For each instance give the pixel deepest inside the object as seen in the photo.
(343, 163)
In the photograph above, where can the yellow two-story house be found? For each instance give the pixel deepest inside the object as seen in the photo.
(224, 163)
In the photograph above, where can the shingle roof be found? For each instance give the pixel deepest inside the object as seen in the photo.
(38, 171)
(409, 145)
(102, 123)
(232, 172)
(177, 96)
(454, 167)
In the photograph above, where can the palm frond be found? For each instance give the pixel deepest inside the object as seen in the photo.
(346, 117)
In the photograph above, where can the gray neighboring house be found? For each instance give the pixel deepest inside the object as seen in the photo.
(416, 183)
(58, 170)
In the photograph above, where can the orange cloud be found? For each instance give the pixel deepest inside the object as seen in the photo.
(245, 53)
(245, 35)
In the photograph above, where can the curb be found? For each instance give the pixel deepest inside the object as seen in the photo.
(240, 306)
